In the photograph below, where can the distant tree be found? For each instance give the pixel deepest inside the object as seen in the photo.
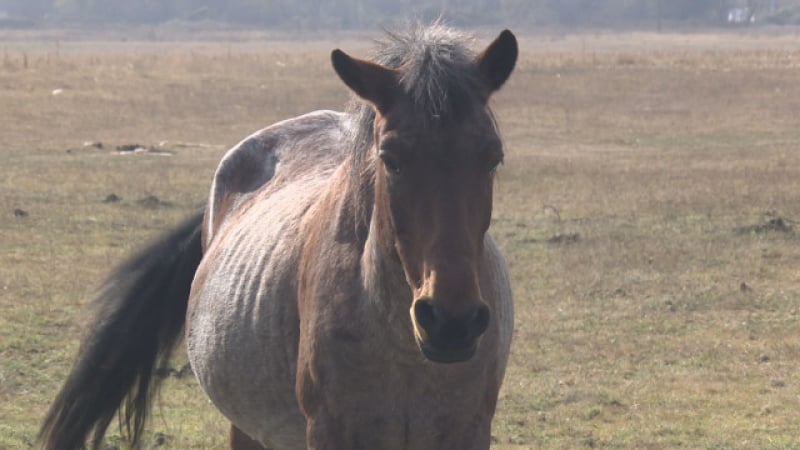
(523, 10)
(572, 12)
(35, 9)
(690, 9)
(68, 9)
(372, 13)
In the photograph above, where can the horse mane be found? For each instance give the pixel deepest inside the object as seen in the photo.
(440, 79)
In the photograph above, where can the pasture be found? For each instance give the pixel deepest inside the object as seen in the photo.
(649, 210)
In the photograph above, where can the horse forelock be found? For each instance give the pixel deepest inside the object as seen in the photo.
(438, 75)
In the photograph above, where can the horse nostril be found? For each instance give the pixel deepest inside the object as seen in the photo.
(480, 322)
(426, 315)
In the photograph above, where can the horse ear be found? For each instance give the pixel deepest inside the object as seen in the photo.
(498, 60)
(372, 82)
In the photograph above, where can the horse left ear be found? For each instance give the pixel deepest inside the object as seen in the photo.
(372, 82)
(497, 62)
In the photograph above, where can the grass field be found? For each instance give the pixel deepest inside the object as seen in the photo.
(647, 209)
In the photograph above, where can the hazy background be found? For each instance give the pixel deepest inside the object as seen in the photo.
(356, 14)
(648, 207)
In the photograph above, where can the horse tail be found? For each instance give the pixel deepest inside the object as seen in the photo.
(140, 313)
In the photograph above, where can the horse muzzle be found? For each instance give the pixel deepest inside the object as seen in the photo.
(445, 338)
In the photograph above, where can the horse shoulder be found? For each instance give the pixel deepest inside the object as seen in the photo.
(496, 288)
(288, 148)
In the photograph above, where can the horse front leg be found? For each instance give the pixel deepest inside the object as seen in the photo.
(241, 441)
(323, 430)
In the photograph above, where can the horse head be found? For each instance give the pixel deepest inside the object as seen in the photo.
(435, 151)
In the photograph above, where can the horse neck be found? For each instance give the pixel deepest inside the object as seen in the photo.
(384, 278)
(387, 291)
(387, 295)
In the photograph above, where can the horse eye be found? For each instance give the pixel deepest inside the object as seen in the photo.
(494, 163)
(390, 164)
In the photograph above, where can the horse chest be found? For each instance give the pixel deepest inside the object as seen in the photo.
(380, 396)
(388, 417)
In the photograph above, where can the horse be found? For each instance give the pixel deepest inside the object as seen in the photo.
(340, 289)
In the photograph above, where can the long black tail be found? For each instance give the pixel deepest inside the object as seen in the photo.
(140, 315)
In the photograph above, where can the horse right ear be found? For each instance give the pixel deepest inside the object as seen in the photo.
(372, 82)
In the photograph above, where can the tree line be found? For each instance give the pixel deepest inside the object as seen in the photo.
(351, 14)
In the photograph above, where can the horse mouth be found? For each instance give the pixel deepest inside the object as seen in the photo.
(447, 356)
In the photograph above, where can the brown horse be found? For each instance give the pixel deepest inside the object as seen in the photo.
(341, 290)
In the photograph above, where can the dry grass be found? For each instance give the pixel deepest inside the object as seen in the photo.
(652, 322)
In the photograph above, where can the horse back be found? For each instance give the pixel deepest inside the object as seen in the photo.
(270, 158)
